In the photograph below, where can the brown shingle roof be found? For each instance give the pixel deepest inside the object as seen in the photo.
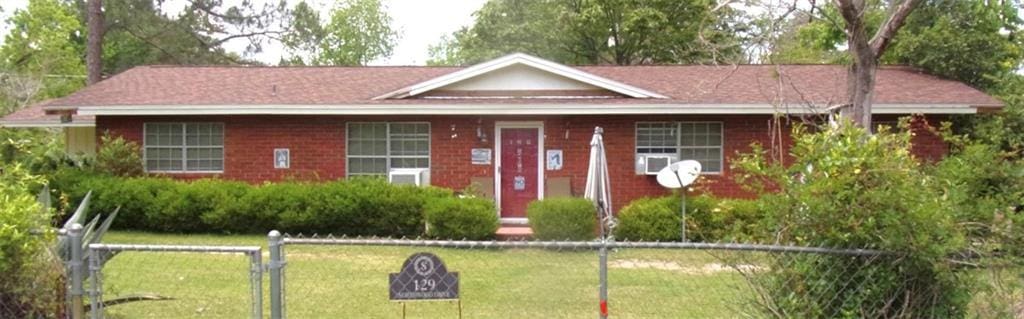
(743, 84)
(36, 116)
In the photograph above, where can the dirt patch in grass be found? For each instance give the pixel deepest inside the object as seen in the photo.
(706, 269)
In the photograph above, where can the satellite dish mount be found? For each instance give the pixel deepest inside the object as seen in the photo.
(679, 175)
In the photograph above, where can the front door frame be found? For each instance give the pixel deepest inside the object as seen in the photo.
(498, 125)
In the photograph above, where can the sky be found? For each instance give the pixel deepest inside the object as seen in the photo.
(420, 23)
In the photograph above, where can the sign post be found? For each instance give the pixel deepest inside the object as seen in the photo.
(424, 277)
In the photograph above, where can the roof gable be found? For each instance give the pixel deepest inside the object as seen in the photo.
(520, 72)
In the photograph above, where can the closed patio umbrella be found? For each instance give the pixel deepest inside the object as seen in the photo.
(598, 190)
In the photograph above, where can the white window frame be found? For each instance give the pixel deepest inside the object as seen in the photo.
(387, 140)
(679, 142)
(184, 149)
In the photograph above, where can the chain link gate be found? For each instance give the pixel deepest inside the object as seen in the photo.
(193, 261)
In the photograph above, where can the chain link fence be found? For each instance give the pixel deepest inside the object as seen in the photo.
(166, 281)
(344, 277)
(315, 277)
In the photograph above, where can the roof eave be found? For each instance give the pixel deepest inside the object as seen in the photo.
(502, 109)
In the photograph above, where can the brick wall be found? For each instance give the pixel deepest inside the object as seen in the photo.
(317, 145)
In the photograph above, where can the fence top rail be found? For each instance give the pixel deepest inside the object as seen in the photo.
(578, 245)
(178, 248)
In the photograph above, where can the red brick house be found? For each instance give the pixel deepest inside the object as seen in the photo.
(517, 127)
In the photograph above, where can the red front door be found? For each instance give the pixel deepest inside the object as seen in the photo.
(519, 158)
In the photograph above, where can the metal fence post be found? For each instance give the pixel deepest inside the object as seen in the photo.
(603, 273)
(276, 267)
(95, 292)
(256, 276)
(77, 276)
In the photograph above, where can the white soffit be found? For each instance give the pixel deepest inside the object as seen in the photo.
(520, 59)
(501, 109)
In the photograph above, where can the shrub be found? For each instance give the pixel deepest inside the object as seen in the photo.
(28, 276)
(358, 206)
(562, 218)
(271, 206)
(461, 218)
(658, 219)
(985, 186)
(650, 219)
(196, 206)
(118, 157)
(847, 188)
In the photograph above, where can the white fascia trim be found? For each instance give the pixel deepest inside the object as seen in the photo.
(528, 60)
(500, 109)
(21, 124)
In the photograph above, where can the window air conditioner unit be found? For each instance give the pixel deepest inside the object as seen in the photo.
(409, 176)
(654, 164)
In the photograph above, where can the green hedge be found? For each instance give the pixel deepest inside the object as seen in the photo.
(461, 218)
(358, 206)
(708, 219)
(563, 218)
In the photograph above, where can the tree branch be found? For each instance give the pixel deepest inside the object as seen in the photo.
(888, 30)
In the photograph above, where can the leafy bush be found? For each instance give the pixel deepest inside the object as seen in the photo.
(28, 275)
(985, 187)
(461, 218)
(358, 206)
(196, 206)
(650, 219)
(563, 218)
(364, 206)
(708, 219)
(847, 188)
(118, 157)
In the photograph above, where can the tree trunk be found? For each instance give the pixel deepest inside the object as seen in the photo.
(866, 53)
(94, 42)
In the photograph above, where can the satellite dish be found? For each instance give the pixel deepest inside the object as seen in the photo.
(679, 174)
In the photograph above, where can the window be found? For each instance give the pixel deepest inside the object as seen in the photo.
(699, 141)
(375, 148)
(183, 147)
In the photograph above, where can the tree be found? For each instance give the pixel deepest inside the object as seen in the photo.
(619, 32)
(94, 42)
(865, 52)
(40, 57)
(973, 41)
(201, 29)
(357, 32)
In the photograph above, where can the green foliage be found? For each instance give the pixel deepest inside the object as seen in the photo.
(848, 188)
(350, 207)
(591, 32)
(650, 219)
(1005, 129)
(708, 219)
(28, 277)
(43, 51)
(118, 157)
(40, 151)
(973, 41)
(563, 218)
(358, 31)
(985, 187)
(461, 218)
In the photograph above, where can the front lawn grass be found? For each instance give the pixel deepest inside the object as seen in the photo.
(351, 282)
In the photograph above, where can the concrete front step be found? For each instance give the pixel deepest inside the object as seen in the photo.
(514, 233)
